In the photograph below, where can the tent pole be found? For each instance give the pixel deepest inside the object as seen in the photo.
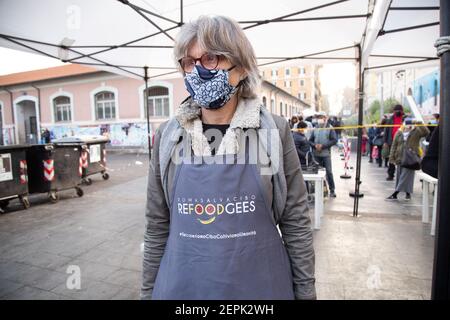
(149, 139)
(383, 32)
(181, 12)
(356, 194)
(441, 269)
(401, 63)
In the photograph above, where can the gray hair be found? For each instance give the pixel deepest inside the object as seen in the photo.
(222, 36)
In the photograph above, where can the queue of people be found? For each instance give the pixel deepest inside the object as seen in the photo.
(390, 143)
(397, 142)
(316, 146)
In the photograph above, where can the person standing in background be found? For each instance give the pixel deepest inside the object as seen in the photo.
(323, 139)
(389, 133)
(430, 163)
(293, 122)
(371, 133)
(407, 137)
(46, 136)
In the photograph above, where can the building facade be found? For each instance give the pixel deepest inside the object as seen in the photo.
(301, 81)
(73, 99)
(77, 100)
(423, 84)
(280, 102)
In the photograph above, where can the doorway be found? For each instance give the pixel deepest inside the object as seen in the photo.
(27, 121)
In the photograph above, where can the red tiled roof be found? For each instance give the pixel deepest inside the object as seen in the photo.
(45, 74)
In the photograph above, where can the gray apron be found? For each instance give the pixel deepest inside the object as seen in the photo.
(223, 243)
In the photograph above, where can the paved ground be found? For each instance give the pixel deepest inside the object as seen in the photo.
(386, 253)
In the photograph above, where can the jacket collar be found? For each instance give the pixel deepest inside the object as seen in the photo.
(247, 115)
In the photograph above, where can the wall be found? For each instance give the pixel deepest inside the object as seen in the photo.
(294, 106)
(130, 125)
(300, 83)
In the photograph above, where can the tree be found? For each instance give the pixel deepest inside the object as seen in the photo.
(373, 113)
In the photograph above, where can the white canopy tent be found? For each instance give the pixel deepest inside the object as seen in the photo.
(135, 38)
(82, 31)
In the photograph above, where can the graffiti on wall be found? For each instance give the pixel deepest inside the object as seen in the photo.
(120, 134)
(426, 93)
(8, 136)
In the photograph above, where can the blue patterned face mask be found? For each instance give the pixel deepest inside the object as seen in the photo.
(209, 88)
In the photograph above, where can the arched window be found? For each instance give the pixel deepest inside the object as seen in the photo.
(158, 101)
(105, 106)
(61, 109)
(281, 108)
(264, 101)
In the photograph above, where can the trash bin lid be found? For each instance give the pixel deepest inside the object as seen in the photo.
(14, 146)
(81, 139)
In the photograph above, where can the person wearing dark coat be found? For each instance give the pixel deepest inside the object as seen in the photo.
(323, 139)
(407, 137)
(371, 133)
(389, 133)
(46, 136)
(302, 144)
(430, 161)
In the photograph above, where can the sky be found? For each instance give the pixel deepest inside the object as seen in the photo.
(17, 61)
(334, 77)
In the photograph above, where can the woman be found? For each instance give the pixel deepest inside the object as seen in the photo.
(213, 201)
(408, 136)
(385, 148)
(293, 122)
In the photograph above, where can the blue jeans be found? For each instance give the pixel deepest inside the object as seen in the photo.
(326, 163)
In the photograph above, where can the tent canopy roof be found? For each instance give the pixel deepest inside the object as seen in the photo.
(124, 36)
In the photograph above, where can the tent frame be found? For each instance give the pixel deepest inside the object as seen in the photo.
(441, 267)
(441, 272)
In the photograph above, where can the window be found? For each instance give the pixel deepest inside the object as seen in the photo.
(274, 73)
(302, 95)
(281, 108)
(301, 70)
(264, 101)
(105, 106)
(272, 105)
(158, 102)
(287, 72)
(302, 83)
(285, 109)
(287, 84)
(61, 109)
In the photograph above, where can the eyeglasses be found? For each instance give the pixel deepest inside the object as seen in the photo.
(208, 61)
